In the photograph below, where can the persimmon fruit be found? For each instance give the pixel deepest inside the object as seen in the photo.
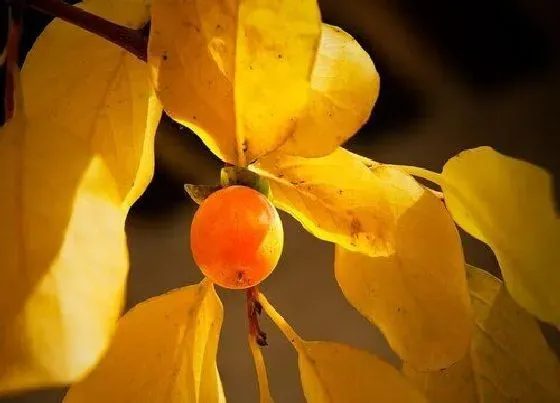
(236, 237)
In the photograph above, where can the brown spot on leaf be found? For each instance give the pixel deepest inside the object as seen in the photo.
(355, 227)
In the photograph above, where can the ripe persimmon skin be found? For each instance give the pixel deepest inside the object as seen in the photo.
(236, 237)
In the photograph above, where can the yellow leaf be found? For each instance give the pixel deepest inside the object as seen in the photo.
(78, 153)
(509, 359)
(344, 88)
(98, 92)
(237, 73)
(509, 204)
(418, 296)
(63, 255)
(412, 283)
(164, 350)
(334, 372)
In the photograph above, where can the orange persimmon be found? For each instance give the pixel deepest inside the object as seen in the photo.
(236, 237)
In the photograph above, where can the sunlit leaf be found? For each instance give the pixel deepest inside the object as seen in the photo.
(345, 85)
(63, 255)
(164, 350)
(237, 73)
(73, 160)
(509, 359)
(97, 92)
(509, 204)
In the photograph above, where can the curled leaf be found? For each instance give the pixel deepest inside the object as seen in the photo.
(344, 88)
(237, 73)
(509, 204)
(164, 349)
(199, 193)
(509, 360)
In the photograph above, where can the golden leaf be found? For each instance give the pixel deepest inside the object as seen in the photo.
(334, 372)
(98, 92)
(164, 349)
(344, 88)
(237, 73)
(75, 157)
(509, 359)
(509, 204)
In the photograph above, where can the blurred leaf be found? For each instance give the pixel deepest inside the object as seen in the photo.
(63, 255)
(509, 204)
(509, 359)
(97, 92)
(199, 193)
(237, 73)
(334, 372)
(345, 86)
(164, 350)
(78, 154)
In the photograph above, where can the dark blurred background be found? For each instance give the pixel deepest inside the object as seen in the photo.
(454, 75)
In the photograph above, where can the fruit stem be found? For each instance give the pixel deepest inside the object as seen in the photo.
(279, 321)
(129, 39)
(253, 310)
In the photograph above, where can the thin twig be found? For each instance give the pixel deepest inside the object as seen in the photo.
(11, 58)
(129, 39)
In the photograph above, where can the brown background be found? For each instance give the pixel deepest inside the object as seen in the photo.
(454, 75)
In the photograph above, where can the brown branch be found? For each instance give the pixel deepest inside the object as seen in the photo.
(129, 39)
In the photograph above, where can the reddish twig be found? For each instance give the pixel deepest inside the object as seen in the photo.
(10, 60)
(129, 39)
(254, 309)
